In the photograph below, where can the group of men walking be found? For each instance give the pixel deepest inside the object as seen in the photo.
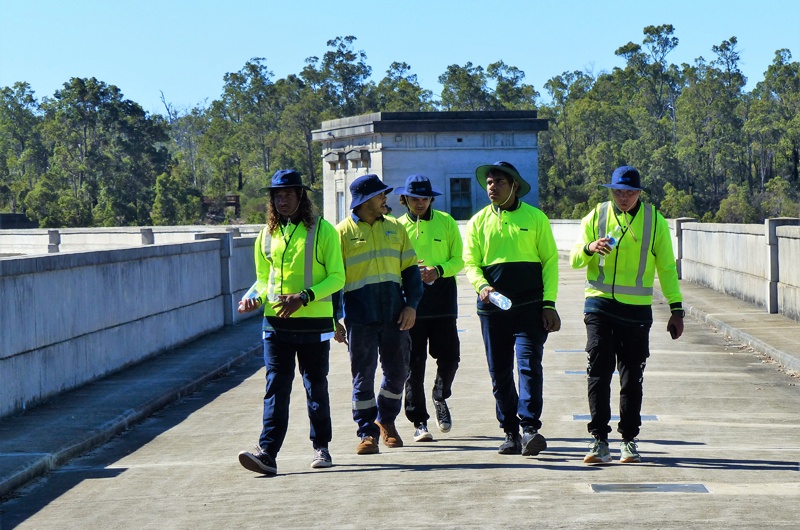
(386, 287)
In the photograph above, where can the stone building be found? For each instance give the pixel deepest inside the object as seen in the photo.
(444, 146)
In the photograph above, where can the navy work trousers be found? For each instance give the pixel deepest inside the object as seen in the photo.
(368, 343)
(610, 344)
(519, 328)
(312, 359)
(442, 335)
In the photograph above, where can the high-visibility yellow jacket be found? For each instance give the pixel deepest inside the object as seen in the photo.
(381, 273)
(627, 273)
(292, 259)
(517, 257)
(437, 242)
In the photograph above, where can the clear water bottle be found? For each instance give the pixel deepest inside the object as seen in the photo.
(500, 301)
(613, 237)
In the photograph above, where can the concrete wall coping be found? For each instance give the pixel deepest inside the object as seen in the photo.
(750, 229)
(132, 229)
(247, 241)
(789, 232)
(71, 260)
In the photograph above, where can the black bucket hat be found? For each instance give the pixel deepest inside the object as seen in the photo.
(506, 168)
(285, 178)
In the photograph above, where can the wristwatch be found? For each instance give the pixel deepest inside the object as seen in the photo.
(304, 297)
(679, 313)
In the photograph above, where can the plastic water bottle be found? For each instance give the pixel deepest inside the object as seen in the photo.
(255, 290)
(500, 301)
(613, 237)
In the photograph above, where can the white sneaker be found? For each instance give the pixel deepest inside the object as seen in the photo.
(322, 458)
(422, 434)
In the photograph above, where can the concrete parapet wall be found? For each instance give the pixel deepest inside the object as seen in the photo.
(565, 232)
(68, 318)
(789, 271)
(42, 241)
(728, 258)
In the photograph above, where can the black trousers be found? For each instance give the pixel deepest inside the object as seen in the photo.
(610, 344)
(442, 335)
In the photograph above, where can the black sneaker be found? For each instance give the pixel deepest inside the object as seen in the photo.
(512, 445)
(443, 419)
(260, 462)
(533, 443)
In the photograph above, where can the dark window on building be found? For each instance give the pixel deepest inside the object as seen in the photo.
(461, 198)
(459, 140)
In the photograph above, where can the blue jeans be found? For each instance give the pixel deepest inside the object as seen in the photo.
(312, 359)
(503, 331)
(367, 343)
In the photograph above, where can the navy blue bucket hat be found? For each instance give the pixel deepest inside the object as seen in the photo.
(285, 178)
(418, 186)
(506, 168)
(625, 178)
(364, 188)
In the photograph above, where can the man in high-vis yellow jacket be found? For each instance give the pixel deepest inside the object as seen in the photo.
(438, 244)
(510, 250)
(298, 258)
(380, 297)
(622, 244)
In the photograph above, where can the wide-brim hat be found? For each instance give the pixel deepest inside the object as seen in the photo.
(364, 188)
(285, 178)
(418, 186)
(625, 178)
(506, 168)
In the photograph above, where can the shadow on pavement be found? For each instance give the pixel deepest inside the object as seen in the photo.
(40, 493)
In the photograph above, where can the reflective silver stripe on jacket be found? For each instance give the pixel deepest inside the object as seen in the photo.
(266, 248)
(601, 232)
(308, 265)
(647, 231)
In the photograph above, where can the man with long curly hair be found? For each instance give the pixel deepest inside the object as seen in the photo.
(299, 259)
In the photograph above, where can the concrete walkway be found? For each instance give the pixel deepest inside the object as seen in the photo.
(721, 446)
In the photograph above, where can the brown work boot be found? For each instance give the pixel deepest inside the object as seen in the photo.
(389, 435)
(368, 446)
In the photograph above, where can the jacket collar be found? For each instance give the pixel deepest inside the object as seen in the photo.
(426, 217)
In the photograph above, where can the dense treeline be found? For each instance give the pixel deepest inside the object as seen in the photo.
(706, 147)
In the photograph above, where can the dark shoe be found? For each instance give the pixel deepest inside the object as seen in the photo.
(422, 434)
(443, 420)
(512, 445)
(368, 446)
(389, 435)
(322, 458)
(533, 443)
(260, 462)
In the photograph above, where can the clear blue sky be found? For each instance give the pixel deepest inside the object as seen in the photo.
(185, 47)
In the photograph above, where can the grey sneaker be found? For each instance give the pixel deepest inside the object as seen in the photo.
(628, 452)
(422, 434)
(260, 462)
(443, 420)
(512, 445)
(533, 443)
(322, 458)
(599, 453)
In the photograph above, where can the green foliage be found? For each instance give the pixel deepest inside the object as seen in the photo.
(705, 147)
(691, 130)
(736, 207)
